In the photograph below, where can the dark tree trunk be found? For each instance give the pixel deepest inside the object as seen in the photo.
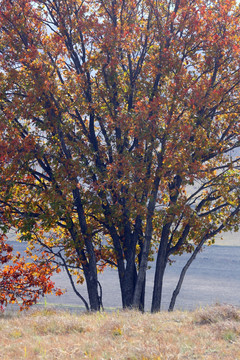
(158, 283)
(130, 272)
(89, 262)
(129, 248)
(142, 299)
(163, 252)
(129, 283)
(128, 286)
(92, 288)
(141, 279)
(128, 289)
(183, 273)
(160, 269)
(120, 260)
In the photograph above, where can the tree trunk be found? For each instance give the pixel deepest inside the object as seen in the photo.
(130, 272)
(141, 279)
(120, 259)
(142, 299)
(183, 273)
(158, 282)
(92, 288)
(90, 264)
(128, 286)
(160, 269)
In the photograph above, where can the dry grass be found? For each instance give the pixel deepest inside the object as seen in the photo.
(211, 333)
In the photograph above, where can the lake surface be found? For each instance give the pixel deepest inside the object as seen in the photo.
(214, 276)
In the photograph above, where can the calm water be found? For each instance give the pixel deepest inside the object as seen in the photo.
(214, 276)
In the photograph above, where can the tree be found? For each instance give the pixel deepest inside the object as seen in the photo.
(120, 121)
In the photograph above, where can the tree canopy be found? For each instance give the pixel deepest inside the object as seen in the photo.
(120, 132)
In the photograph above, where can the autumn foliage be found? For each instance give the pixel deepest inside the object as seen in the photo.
(119, 125)
(22, 281)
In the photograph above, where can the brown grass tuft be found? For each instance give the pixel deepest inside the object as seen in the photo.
(217, 313)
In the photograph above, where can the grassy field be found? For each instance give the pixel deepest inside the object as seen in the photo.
(210, 333)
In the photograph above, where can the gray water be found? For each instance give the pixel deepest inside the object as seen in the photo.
(214, 276)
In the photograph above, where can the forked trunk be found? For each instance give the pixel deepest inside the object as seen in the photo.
(141, 278)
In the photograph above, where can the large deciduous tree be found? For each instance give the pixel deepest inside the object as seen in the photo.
(119, 132)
